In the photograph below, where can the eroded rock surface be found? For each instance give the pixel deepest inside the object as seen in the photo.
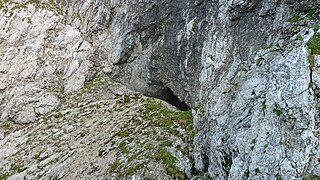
(99, 134)
(247, 67)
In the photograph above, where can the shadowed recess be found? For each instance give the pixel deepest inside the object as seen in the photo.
(171, 98)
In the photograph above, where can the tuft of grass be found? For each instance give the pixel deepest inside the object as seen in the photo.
(277, 110)
(163, 117)
(115, 165)
(13, 169)
(91, 85)
(37, 155)
(259, 61)
(264, 105)
(123, 147)
(294, 18)
(133, 169)
(310, 13)
(314, 44)
(311, 177)
(123, 133)
(268, 46)
(58, 115)
(311, 60)
(227, 162)
(133, 157)
(149, 146)
(246, 174)
(169, 162)
(157, 116)
(316, 27)
(299, 37)
(185, 119)
(5, 175)
(194, 25)
(5, 125)
(257, 171)
(17, 168)
(254, 141)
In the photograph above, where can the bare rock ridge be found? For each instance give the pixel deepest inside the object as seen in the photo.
(249, 70)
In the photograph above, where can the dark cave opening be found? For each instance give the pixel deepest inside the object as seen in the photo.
(171, 98)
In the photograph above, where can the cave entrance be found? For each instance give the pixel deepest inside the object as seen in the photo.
(168, 96)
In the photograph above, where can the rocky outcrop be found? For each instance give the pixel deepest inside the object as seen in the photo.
(103, 131)
(249, 68)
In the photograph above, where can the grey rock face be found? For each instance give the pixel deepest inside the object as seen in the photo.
(238, 62)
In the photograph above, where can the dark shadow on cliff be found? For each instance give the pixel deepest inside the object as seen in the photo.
(164, 93)
(174, 100)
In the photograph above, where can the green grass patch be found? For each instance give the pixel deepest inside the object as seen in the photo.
(169, 162)
(246, 174)
(264, 105)
(123, 133)
(115, 165)
(310, 13)
(17, 168)
(299, 37)
(314, 44)
(277, 111)
(311, 60)
(94, 83)
(268, 46)
(133, 169)
(159, 115)
(123, 147)
(259, 61)
(5, 125)
(37, 155)
(316, 27)
(294, 18)
(311, 177)
(161, 123)
(254, 141)
(13, 169)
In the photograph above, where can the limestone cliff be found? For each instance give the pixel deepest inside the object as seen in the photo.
(249, 69)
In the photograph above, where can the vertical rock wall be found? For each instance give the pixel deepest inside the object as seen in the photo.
(238, 62)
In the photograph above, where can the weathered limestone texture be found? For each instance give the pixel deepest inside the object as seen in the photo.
(250, 69)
